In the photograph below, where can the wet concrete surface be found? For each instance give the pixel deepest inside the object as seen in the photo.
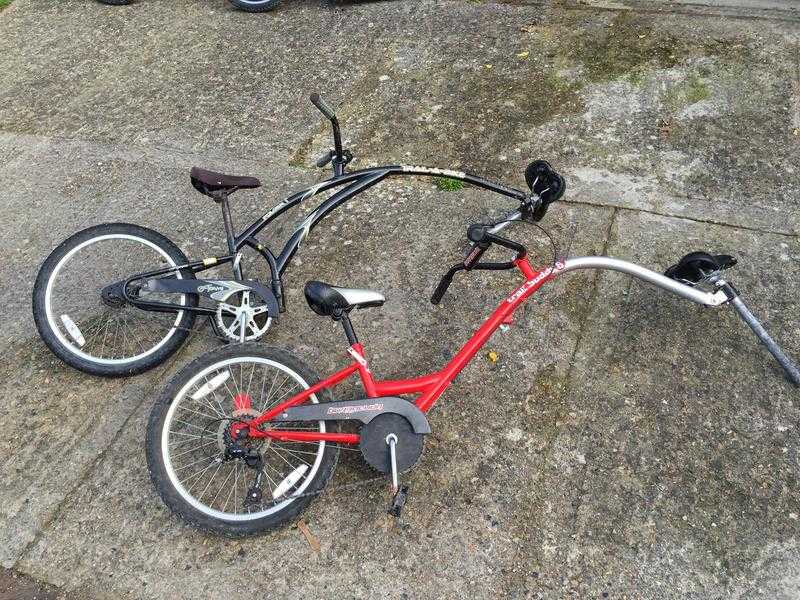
(624, 444)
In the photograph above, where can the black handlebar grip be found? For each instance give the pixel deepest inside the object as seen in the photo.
(323, 107)
(324, 159)
(476, 233)
(442, 287)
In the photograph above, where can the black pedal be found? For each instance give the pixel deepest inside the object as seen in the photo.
(399, 501)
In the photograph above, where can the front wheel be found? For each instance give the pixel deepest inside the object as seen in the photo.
(189, 443)
(255, 5)
(105, 335)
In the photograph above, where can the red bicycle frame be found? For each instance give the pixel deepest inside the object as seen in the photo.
(429, 387)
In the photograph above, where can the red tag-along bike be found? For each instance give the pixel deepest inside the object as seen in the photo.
(244, 437)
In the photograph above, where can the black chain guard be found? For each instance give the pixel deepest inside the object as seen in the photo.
(375, 450)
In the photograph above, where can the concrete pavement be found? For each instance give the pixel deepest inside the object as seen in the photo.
(625, 443)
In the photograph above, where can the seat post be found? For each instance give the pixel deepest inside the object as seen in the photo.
(228, 222)
(348, 326)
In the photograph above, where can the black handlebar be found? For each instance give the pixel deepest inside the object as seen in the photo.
(323, 107)
(480, 235)
(481, 240)
(337, 156)
(546, 186)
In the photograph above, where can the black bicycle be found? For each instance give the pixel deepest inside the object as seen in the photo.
(82, 301)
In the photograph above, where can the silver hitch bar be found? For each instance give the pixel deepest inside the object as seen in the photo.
(724, 294)
(665, 283)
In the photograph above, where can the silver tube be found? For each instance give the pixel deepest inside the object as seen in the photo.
(506, 221)
(791, 369)
(391, 440)
(657, 279)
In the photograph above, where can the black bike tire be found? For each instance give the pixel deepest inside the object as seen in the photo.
(123, 370)
(158, 472)
(264, 6)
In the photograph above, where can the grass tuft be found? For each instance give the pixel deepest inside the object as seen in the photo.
(446, 184)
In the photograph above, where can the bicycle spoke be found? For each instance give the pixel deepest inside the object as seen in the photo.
(195, 449)
(222, 486)
(109, 332)
(210, 481)
(278, 454)
(187, 409)
(199, 426)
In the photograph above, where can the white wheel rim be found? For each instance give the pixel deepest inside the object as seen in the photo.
(176, 483)
(69, 345)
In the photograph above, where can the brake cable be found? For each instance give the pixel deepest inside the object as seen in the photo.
(553, 244)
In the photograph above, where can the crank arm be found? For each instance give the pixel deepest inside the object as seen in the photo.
(399, 492)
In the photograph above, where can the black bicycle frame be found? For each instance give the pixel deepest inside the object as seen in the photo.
(358, 181)
(355, 182)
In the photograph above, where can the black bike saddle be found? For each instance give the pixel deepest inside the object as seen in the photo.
(696, 266)
(212, 183)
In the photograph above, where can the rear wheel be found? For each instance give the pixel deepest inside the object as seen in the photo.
(188, 442)
(107, 336)
(255, 5)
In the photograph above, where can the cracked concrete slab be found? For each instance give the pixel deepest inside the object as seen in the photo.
(660, 466)
(460, 503)
(648, 448)
(77, 419)
(673, 118)
(189, 76)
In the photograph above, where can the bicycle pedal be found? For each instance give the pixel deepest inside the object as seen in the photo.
(398, 501)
